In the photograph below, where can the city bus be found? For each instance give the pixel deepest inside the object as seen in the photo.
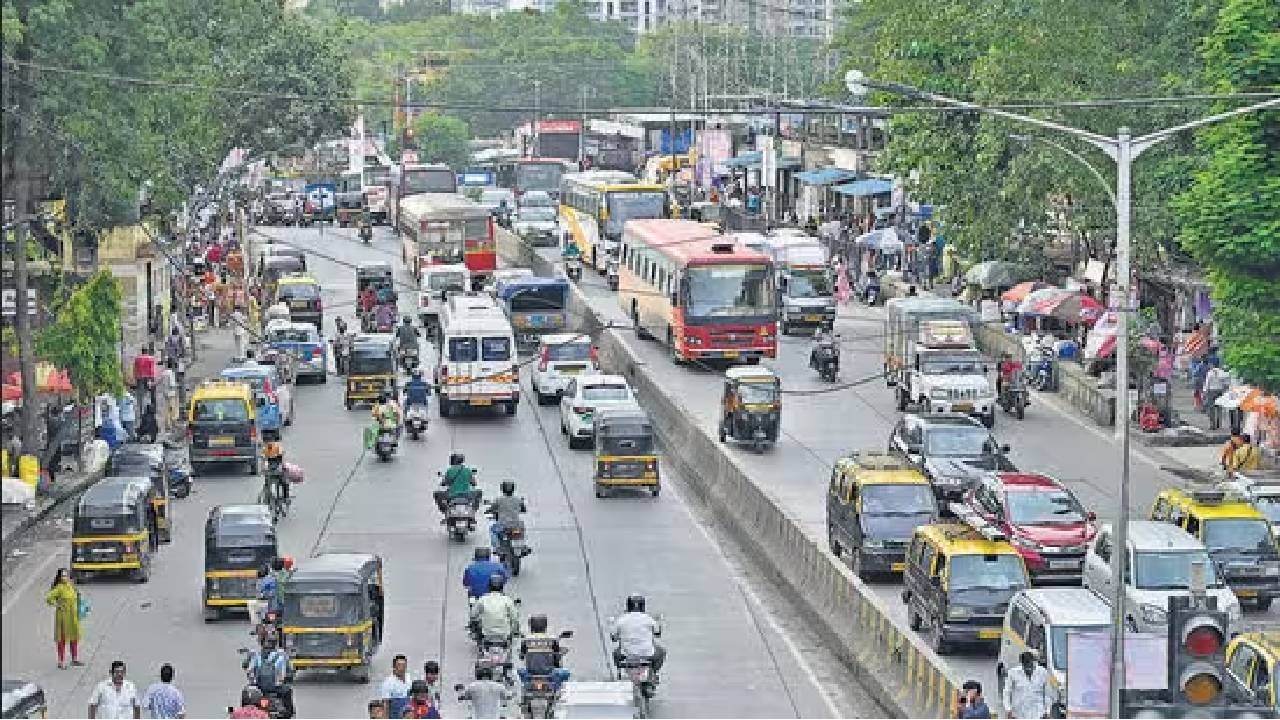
(409, 179)
(594, 206)
(540, 174)
(705, 295)
(447, 229)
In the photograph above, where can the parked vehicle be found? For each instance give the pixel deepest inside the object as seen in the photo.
(875, 501)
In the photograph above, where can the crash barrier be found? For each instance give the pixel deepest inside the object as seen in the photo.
(895, 666)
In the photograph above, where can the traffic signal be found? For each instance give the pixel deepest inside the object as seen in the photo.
(1197, 651)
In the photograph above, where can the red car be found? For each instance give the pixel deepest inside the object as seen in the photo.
(1043, 521)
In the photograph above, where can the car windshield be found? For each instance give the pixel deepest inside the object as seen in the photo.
(299, 335)
(757, 393)
(495, 349)
(1171, 569)
(1043, 507)
(1269, 505)
(729, 291)
(257, 382)
(568, 352)
(441, 280)
(634, 205)
(539, 176)
(951, 364)
(958, 441)
(893, 512)
(537, 214)
(435, 180)
(808, 284)
(1059, 640)
(537, 198)
(221, 410)
(999, 572)
(605, 393)
(369, 362)
(1238, 534)
(298, 291)
(495, 197)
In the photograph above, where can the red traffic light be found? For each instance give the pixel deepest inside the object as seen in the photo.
(1203, 640)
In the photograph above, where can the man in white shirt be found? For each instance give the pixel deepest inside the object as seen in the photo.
(635, 631)
(395, 688)
(115, 697)
(1026, 689)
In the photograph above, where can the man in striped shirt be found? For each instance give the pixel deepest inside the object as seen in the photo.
(162, 699)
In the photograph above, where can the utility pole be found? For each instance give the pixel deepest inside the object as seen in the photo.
(537, 111)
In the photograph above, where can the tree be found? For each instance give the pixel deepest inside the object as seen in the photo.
(85, 335)
(442, 139)
(1230, 216)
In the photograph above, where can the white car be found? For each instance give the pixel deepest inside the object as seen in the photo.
(560, 359)
(586, 394)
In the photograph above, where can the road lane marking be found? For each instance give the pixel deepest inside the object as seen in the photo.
(25, 585)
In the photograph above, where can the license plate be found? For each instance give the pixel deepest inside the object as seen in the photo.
(1246, 593)
(1064, 564)
(298, 304)
(481, 401)
(102, 551)
(992, 634)
(222, 441)
(731, 353)
(962, 407)
(898, 567)
(569, 370)
(813, 318)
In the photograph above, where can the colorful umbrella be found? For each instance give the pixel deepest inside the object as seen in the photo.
(1019, 292)
(1258, 401)
(1068, 305)
(997, 274)
(11, 393)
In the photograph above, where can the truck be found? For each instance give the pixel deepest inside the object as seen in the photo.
(805, 294)
(931, 361)
(446, 229)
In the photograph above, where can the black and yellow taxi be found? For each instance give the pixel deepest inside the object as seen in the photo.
(875, 501)
(301, 294)
(1236, 534)
(626, 455)
(334, 612)
(110, 531)
(238, 540)
(958, 583)
(149, 460)
(222, 425)
(1253, 659)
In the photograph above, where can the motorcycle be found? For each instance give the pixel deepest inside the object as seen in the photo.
(825, 358)
(385, 444)
(409, 357)
(512, 548)
(539, 692)
(1014, 397)
(494, 652)
(1040, 369)
(415, 420)
(366, 233)
(460, 518)
(272, 479)
(644, 683)
(573, 268)
(271, 702)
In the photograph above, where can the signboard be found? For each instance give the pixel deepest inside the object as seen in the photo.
(559, 126)
(408, 156)
(10, 302)
(714, 148)
(1089, 669)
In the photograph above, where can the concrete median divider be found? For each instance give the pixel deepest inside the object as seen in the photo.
(901, 672)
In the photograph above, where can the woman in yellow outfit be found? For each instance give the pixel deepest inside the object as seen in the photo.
(65, 600)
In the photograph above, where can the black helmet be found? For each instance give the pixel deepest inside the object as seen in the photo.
(635, 603)
(538, 623)
(419, 687)
(407, 320)
(277, 563)
(457, 458)
(508, 487)
(482, 554)
(497, 582)
(250, 695)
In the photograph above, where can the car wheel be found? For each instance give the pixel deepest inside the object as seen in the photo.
(1264, 603)
(937, 640)
(543, 398)
(832, 542)
(252, 466)
(512, 407)
(913, 618)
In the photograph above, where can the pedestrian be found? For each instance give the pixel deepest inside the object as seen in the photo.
(1026, 689)
(421, 704)
(53, 441)
(14, 447)
(971, 702)
(128, 413)
(162, 699)
(115, 697)
(148, 427)
(1247, 457)
(431, 676)
(842, 283)
(377, 708)
(395, 688)
(486, 695)
(67, 608)
(168, 389)
(240, 331)
(1215, 381)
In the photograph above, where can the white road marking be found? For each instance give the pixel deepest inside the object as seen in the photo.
(25, 585)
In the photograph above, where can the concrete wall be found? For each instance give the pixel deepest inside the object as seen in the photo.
(903, 674)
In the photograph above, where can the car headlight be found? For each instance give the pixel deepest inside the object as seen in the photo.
(1154, 614)
(958, 613)
(986, 393)
(938, 394)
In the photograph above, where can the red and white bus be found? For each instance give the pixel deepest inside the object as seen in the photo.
(703, 294)
(411, 178)
(447, 229)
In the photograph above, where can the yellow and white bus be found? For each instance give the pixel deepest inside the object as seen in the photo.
(594, 206)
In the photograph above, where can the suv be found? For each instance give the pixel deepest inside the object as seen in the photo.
(1040, 620)
(1253, 660)
(874, 502)
(1161, 560)
(958, 584)
(1238, 537)
(952, 450)
(1042, 520)
(560, 359)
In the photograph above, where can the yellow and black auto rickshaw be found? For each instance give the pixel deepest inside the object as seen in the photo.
(111, 529)
(751, 406)
(625, 452)
(371, 369)
(333, 613)
(377, 276)
(147, 459)
(238, 539)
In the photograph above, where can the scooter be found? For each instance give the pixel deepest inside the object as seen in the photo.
(366, 233)
(1040, 369)
(460, 518)
(1014, 397)
(385, 445)
(825, 358)
(415, 420)
(409, 357)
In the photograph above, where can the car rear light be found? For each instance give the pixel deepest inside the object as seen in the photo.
(515, 372)
(253, 431)
(546, 357)
(581, 409)
(595, 355)
(651, 466)
(444, 372)
(130, 546)
(319, 304)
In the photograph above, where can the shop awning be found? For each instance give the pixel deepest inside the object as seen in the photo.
(744, 160)
(825, 176)
(863, 188)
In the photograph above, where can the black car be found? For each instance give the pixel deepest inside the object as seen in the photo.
(952, 450)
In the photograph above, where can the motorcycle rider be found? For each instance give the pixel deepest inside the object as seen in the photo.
(250, 700)
(634, 631)
(541, 654)
(494, 614)
(505, 509)
(407, 335)
(268, 668)
(458, 481)
(386, 413)
(486, 694)
(275, 451)
(1005, 371)
(416, 391)
(476, 577)
(340, 343)
(824, 339)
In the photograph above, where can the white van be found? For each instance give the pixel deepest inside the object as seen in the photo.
(478, 365)
(1039, 620)
(433, 288)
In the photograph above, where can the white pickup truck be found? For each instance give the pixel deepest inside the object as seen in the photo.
(931, 360)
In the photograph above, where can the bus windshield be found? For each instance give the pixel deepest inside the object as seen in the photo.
(539, 176)
(729, 291)
(624, 206)
(544, 299)
(433, 180)
(808, 284)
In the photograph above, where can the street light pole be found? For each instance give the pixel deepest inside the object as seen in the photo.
(1123, 150)
(537, 111)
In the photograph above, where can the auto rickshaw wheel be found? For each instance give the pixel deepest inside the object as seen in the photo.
(832, 543)
(143, 573)
(324, 377)
(656, 490)
(349, 404)
(212, 614)
(360, 674)
(446, 408)
(721, 431)
(600, 491)
(252, 466)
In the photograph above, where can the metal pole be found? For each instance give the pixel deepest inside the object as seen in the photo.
(582, 128)
(1120, 552)
(537, 111)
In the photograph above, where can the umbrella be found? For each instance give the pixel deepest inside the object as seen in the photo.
(884, 240)
(1069, 305)
(1019, 292)
(11, 393)
(997, 274)
(1258, 401)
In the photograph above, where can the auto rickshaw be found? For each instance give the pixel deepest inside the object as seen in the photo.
(625, 454)
(238, 539)
(371, 369)
(333, 613)
(751, 406)
(149, 460)
(110, 530)
(377, 275)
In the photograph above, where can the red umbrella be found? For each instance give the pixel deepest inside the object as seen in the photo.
(1019, 292)
(1069, 305)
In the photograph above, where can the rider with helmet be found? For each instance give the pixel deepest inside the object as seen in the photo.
(458, 481)
(386, 413)
(407, 334)
(268, 668)
(274, 455)
(634, 631)
(505, 509)
(541, 654)
(416, 391)
(476, 577)
(494, 614)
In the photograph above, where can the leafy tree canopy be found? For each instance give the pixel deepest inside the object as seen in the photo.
(84, 336)
(442, 139)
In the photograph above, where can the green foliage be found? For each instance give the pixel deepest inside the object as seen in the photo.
(1230, 216)
(84, 337)
(442, 139)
